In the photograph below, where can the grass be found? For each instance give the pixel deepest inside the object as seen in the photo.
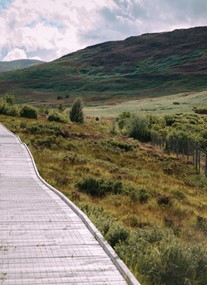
(177, 103)
(156, 221)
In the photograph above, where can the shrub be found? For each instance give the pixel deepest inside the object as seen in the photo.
(74, 158)
(28, 112)
(122, 119)
(7, 108)
(45, 129)
(117, 145)
(99, 187)
(143, 195)
(44, 111)
(56, 117)
(44, 142)
(164, 200)
(10, 99)
(202, 223)
(170, 120)
(116, 234)
(11, 110)
(201, 110)
(61, 108)
(76, 112)
(138, 128)
(140, 195)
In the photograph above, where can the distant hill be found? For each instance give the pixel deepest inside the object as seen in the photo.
(18, 64)
(141, 66)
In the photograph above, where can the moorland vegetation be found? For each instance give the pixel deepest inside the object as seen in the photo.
(155, 219)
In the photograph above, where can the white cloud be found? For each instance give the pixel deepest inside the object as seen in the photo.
(48, 29)
(15, 53)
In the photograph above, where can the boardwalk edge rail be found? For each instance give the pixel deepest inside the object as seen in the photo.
(120, 265)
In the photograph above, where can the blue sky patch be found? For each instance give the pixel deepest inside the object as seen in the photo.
(4, 4)
(57, 25)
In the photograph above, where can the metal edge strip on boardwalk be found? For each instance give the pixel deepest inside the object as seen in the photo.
(120, 265)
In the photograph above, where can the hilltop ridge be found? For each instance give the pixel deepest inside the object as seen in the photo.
(18, 64)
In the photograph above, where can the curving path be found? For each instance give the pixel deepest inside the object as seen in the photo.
(44, 237)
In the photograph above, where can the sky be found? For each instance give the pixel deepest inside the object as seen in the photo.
(49, 29)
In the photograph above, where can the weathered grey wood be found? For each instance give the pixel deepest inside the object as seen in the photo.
(44, 237)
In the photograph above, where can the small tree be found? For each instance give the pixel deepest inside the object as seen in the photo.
(76, 112)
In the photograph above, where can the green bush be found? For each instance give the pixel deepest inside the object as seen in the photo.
(140, 195)
(56, 117)
(99, 187)
(44, 142)
(139, 128)
(7, 108)
(41, 129)
(116, 234)
(117, 145)
(122, 119)
(74, 158)
(170, 120)
(28, 112)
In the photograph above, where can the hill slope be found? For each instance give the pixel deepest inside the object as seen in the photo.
(147, 65)
(18, 64)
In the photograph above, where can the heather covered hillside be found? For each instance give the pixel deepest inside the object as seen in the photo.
(141, 66)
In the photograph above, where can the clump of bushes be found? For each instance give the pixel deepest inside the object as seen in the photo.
(47, 142)
(56, 117)
(28, 112)
(74, 158)
(99, 187)
(139, 128)
(122, 119)
(7, 106)
(141, 195)
(117, 145)
(38, 128)
(116, 234)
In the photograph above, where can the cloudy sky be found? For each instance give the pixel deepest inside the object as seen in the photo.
(48, 29)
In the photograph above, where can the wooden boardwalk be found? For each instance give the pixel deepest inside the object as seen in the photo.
(44, 237)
